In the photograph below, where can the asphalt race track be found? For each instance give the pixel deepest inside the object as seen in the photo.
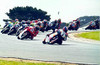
(71, 50)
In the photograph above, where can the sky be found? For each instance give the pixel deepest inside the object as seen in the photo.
(68, 9)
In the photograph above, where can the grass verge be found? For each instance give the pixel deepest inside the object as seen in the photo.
(14, 61)
(95, 35)
(4, 62)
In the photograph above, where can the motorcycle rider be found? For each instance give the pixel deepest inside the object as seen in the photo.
(16, 21)
(97, 22)
(23, 21)
(62, 34)
(32, 24)
(92, 24)
(35, 31)
(39, 22)
(36, 21)
(73, 24)
(9, 24)
(54, 25)
(77, 23)
(28, 22)
(7, 27)
(23, 24)
(6, 23)
(58, 23)
(43, 25)
(48, 26)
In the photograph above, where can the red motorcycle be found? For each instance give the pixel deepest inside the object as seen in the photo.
(29, 32)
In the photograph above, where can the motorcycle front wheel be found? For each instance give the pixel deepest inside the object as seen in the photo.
(24, 35)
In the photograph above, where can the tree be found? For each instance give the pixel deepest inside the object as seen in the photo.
(27, 13)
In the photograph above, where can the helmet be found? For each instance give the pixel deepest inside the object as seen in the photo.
(59, 32)
(55, 21)
(59, 19)
(39, 19)
(65, 29)
(44, 20)
(23, 22)
(32, 24)
(16, 19)
(37, 28)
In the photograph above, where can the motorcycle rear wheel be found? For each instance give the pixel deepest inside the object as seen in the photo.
(10, 32)
(59, 42)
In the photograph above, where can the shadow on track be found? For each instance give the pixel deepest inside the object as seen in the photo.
(59, 45)
(30, 40)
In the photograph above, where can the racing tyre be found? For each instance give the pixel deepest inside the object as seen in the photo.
(24, 35)
(43, 42)
(60, 42)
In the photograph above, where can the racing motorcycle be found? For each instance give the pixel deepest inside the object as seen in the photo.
(20, 29)
(75, 27)
(13, 29)
(27, 33)
(53, 38)
(70, 27)
(44, 27)
(6, 29)
(90, 27)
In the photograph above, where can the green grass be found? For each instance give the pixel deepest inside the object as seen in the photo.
(4, 62)
(91, 35)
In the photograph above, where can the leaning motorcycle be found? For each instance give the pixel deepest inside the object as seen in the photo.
(14, 29)
(56, 38)
(26, 33)
(90, 27)
(6, 29)
(20, 29)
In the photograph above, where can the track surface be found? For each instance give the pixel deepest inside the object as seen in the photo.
(70, 51)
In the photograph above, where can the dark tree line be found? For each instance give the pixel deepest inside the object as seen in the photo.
(27, 13)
